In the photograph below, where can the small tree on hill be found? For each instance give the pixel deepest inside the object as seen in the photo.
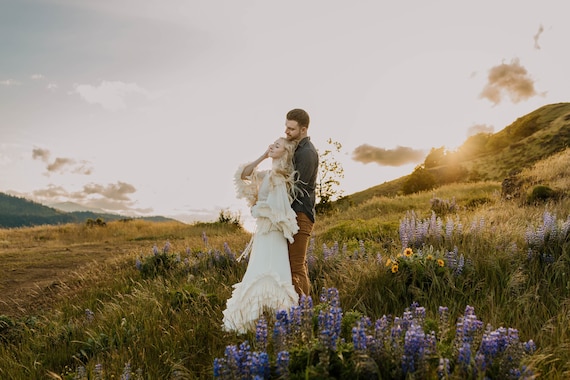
(328, 180)
(421, 179)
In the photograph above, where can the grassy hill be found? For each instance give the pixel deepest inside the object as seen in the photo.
(459, 282)
(490, 156)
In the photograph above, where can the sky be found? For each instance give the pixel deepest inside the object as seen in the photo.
(145, 108)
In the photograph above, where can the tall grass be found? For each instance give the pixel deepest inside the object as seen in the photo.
(154, 312)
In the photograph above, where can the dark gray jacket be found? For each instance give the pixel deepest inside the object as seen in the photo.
(306, 161)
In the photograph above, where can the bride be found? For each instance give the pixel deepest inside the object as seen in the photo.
(267, 283)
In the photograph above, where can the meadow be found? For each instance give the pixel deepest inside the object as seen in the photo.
(458, 282)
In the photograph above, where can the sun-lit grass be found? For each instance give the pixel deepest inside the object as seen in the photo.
(154, 308)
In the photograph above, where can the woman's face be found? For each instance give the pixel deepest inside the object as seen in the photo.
(277, 149)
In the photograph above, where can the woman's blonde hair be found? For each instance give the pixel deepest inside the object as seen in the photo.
(285, 167)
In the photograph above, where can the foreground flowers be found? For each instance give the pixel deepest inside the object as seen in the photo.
(310, 342)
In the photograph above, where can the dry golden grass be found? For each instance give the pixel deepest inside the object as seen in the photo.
(39, 263)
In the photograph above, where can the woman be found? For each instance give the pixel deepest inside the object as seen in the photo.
(267, 281)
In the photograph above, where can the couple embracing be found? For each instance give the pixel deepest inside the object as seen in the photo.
(282, 201)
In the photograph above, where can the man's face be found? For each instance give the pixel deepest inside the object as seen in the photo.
(292, 130)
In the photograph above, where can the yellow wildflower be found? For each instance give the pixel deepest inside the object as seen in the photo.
(388, 262)
(408, 252)
(440, 262)
(394, 268)
(429, 257)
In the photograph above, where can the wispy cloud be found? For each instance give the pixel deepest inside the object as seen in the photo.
(117, 191)
(113, 197)
(537, 36)
(61, 164)
(10, 82)
(387, 157)
(511, 79)
(111, 95)
(36, 76)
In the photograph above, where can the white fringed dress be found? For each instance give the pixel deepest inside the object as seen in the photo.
(267, 282)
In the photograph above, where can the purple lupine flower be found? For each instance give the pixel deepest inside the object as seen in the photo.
(261, 333)
(89, 315)
(81, 372)
(282, 364)
(205, 238)
(138, 264)
(381, 330)
(259, 362)
(311, 247)
(295, 319)
(329, 322)
(430, 343)
(281, 330)
(311, 261)
(360, 337)
(98, 371)
(228, 251)
(155, 250)
(378, 258)
(126, 375)
(414, 348)
(449, 226)
(218, 367)
(167, 247)
(460, 265)
(468, 325)
(529, 346)
(464, 357)
(419, 313)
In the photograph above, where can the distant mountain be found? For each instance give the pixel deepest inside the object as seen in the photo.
(20, 212)
(73, 207)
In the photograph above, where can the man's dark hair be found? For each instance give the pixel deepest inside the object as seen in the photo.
(300, 116)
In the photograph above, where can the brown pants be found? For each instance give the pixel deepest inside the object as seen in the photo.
(298, 255)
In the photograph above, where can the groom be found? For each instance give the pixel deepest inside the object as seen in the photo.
(306, 162)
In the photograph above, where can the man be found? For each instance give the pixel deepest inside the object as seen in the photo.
(306, 162)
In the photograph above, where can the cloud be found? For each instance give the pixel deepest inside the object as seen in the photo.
(480, 128)
(110, 95)
(536, 37)
(41, 154)
(51, 193)
(511, 79)
(113, 197)
(60, 164)
(397, 157)
(9, 82)
(37, 76)
(52, 86)
(116, 191)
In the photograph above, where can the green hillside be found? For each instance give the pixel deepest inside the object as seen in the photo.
(20, 212)
(490, 156)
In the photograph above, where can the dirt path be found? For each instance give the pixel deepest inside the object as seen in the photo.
(30, 271)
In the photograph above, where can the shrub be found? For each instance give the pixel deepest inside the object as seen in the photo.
(541, 193)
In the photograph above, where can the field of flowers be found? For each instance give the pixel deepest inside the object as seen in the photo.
(436, 290)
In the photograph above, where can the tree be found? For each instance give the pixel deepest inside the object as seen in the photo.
(328, 180)
(421, 179)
